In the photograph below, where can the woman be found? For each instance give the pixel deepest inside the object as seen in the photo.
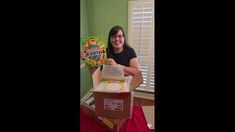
(119, 52)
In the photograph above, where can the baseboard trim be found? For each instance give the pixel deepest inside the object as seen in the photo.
(149, 96)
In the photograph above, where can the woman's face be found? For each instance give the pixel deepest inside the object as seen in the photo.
(117, 40)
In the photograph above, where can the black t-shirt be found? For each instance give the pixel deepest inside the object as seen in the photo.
(124, 57)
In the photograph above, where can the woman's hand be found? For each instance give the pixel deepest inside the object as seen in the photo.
(111, 61)
(82, 55)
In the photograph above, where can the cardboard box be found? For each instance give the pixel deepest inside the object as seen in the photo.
(149, 116)
(113, 125)
(114, 103)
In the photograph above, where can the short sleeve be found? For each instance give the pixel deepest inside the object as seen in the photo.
(132, 53)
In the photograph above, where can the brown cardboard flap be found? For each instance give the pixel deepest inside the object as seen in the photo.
(96, 76)
(136, 81)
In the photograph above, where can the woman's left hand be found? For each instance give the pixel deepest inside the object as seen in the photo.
(111, 61)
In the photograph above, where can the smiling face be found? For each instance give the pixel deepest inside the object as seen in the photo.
(117, 40)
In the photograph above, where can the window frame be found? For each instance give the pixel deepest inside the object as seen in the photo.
(149, 77)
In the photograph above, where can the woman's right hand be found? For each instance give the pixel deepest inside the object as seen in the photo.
(110, 61)
(82, 55)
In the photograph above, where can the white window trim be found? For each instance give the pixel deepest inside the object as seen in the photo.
(150, 64)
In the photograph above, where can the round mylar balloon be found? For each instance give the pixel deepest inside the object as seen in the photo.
(95, 52)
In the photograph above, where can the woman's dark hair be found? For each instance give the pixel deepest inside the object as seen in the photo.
(114, 30)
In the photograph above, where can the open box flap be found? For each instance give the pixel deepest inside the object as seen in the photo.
(112, 72)
(96, 77)
(136, 81)
(131, 82)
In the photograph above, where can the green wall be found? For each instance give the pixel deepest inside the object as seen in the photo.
(83, 18)
(97, 18)
(85, 78)
(104, 14)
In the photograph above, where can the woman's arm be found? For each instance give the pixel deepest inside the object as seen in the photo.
(133, 67)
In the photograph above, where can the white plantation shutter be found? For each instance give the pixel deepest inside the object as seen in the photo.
(141, 38)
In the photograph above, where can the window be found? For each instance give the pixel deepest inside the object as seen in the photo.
(141, 38)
